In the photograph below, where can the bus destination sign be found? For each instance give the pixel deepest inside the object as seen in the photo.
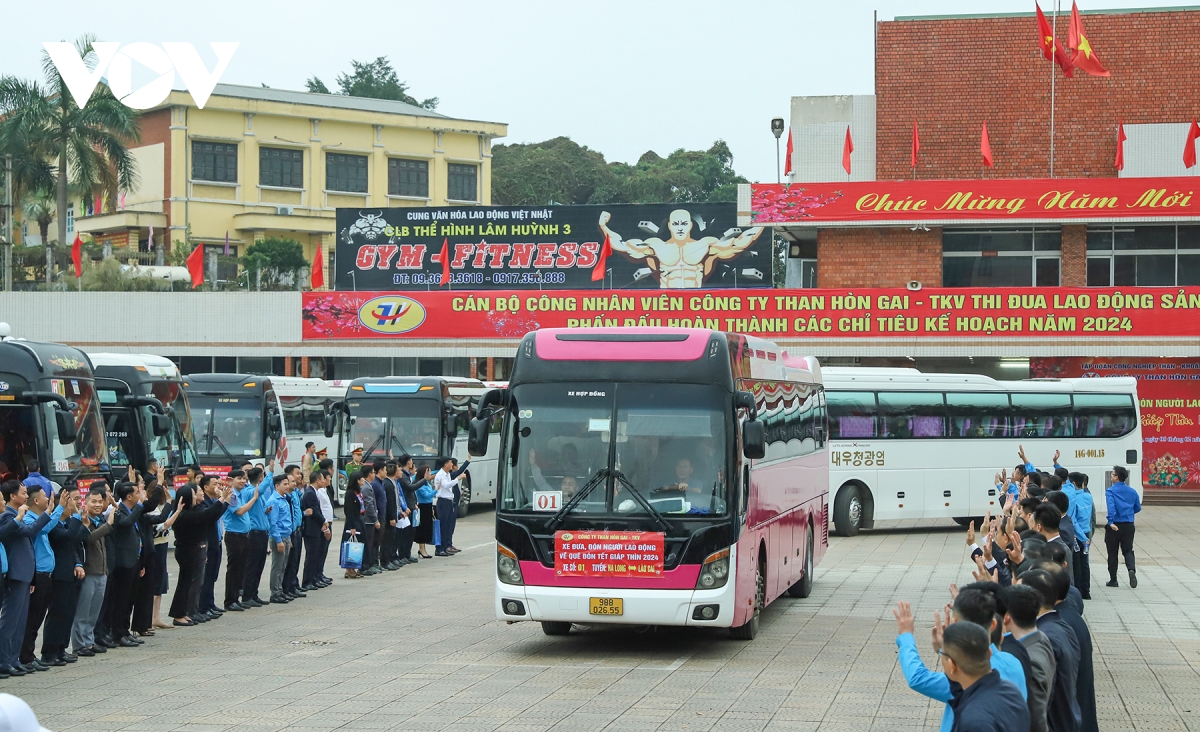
(608, 553)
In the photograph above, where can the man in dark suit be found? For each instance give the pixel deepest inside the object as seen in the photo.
(313, 529)
(407, 534)
(66, 540)
(1063, 713)
(127, 543)
(388, 545)
(1085, 682)
(17, 538)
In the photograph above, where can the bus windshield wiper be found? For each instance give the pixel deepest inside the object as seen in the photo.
(403, 449)
(371, 449)
(214, 438)
(576, 499)
(650, 509)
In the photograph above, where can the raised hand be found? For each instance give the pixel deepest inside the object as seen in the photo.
(1021, 453)
(1015, 554)
(982, 574)
(904, 618)
(1057, 455)
(953, 592)
(971, 534)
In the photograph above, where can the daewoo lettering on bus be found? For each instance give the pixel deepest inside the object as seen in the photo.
(146, 413)
(236, 420)
(909, 445)
(49, 412)
(424, 417)
(656, 476)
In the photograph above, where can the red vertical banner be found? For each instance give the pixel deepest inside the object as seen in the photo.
(1169, 395)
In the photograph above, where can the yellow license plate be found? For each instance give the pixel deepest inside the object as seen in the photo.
(606, 606)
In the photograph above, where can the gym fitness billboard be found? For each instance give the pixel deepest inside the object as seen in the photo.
(639, 246)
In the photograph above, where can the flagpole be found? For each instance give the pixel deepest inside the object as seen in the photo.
(1054, 32)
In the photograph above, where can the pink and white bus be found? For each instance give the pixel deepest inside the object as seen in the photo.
(655, 476)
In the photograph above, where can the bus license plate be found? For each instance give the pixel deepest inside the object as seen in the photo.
(606, 606)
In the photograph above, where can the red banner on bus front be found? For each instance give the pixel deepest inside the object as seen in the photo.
(608, 553)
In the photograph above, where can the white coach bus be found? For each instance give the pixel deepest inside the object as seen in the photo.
(910, 445)
(304, 403)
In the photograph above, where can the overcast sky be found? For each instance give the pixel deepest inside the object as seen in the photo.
(620, 76)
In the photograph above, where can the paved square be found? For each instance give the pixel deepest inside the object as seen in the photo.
(419, 650)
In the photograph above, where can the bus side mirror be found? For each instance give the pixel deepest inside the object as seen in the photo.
(754, 439)
(477, 438)
(66, 426)
(330, 424)
(745, 400)
(451, 421)
(160, 424)
(274, 426)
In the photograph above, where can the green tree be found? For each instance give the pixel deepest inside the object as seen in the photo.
(91, 142)
(562, 171)
(41, 211)
(108, 276)
(375, 80)
(276, 260)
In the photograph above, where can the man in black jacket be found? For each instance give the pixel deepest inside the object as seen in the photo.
(17, 538)
(312, 529)
(211, 488)
(1085, 682)
(983, 702)
(66, 540)
(1063, 714)
(127, 542)
(407, 534)
(388, 546)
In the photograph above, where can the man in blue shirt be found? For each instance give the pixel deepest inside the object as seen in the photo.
(17, 538)
(291, 576)
(237, 538)
(1123, 502)
(256, 556)
(279, 536)
(43, 583)
(36, 478)
(936, 685)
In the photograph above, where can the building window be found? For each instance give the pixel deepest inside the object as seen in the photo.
(281, 168)
(408, 178)
(70, 218)
(214, 161)
(801, 264)
(1143, 256)
(346, 173)
(462, 185)
(1001, 257)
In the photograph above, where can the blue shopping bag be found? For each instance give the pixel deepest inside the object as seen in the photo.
(437, 532)
(352, 554)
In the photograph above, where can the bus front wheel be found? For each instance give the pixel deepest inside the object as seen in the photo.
(464, 500)
(555, 628)
(848, 511)
(748, 630)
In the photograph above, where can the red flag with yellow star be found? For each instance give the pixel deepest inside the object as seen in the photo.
(1052, 50)
(1082, 55)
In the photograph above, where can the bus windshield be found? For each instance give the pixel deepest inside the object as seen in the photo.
(392, 427)
(89, 450)
(669, 452)
(177, 446)
(228, 426)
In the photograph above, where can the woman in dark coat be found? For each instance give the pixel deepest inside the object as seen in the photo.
(191, 531)
(354, 513)
(149, 525)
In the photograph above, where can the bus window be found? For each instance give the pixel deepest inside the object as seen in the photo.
(851, 414)
(88, 452)
(977, 415)
(17, 441)
(908, 414)
(1104, 415)
(1041, 415)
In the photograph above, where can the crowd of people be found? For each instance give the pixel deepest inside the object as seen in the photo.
(88, 571)
(1015, 651)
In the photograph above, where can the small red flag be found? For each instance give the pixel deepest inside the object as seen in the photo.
(606, 250)
(318, 269)
(1082, 55)
(1189, 148)
(847, 148)
(445, 262)
(916, 144)
(195, 265)
(1119, 163)
(1052, 50)
(77, 256)
(787, 165)
(985, 147)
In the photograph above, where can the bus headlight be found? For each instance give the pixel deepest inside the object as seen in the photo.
(508, 569)
(715, 572)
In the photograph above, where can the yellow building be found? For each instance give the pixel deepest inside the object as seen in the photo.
(258, 162)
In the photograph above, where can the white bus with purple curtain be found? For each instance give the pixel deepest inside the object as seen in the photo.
(910, 445)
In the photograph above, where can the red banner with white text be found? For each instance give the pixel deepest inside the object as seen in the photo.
(1169, 394)
(986, 200)
(944, 313)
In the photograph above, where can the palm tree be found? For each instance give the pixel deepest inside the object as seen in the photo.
(41, 210)
(89, 142)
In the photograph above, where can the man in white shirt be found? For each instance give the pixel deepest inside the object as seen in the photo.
(446, 508)
(327, 512)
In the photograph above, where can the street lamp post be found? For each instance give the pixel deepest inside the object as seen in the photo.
(777, 130)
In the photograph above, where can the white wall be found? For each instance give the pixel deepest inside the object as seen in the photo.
(819, 133)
